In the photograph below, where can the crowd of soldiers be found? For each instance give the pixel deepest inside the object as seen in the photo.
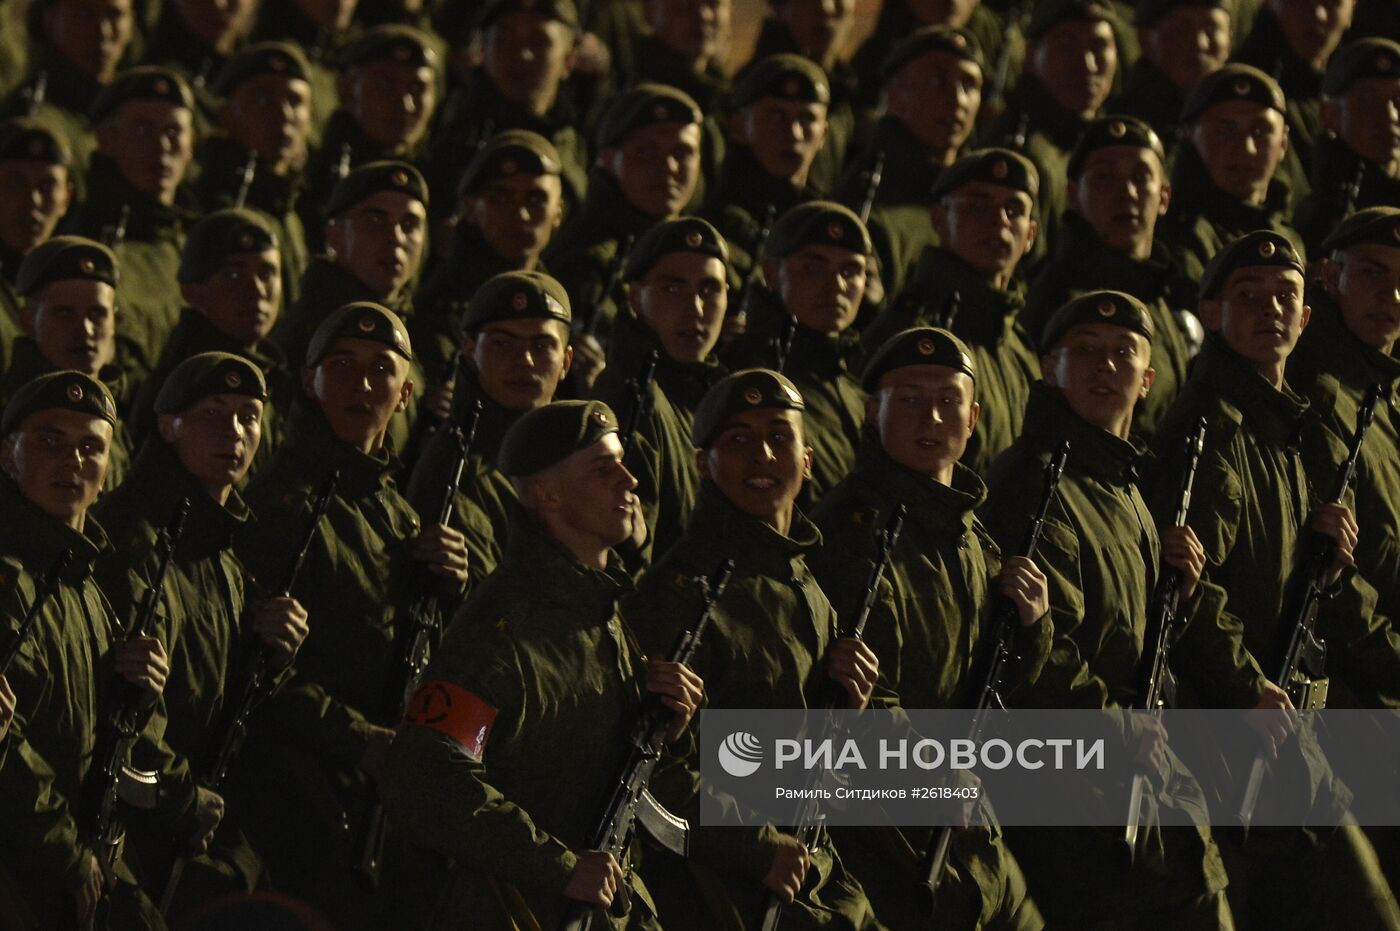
(385, 385)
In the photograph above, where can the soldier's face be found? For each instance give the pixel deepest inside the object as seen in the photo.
(520, 363)
(925, 415)
(657, 167)
(820, 27)
(380, 241)
(1103, 370)
(526, 56)
(1076, 61)
(987, 226)
(822, 286)
(683, 299)
(784, 135)
(1367, 119)
(759, 461)
(1121, 191)
(1365, 280)
(953, 13)
(1188, 43)
(1313, 28)
(34, 196)
(1260, 313)
(73, 324)
(391, 102)
(359, 385)
(215, 439)
(270, 115)
(1241, 144)
(91, 35)
(517, 215)
(334, 15)
(219, 23)
(936, 96)
(696, 30)
(243, 297)
(590, 495)
(58, 458)
(152, 142)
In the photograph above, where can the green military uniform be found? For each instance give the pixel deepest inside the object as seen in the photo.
(172, 44)
(10, 328)
(68, 96)
(286, 22)
(548, 672)
(657, 64)
(61, 680)
(1266, 49)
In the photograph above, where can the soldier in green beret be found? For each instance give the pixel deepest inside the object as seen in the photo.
(1182, 42)
(136, 202)
(319, 30)
(651, 140)
(817, 263)
(542, 669)
(773, 642)
(1252, 509)
(56, 434)
(231, 277)
(197, 38)
(256, 159)
(209, 409)
(388, 93)
(1118, 191)
(984, 213)
(327, 730)
(1070, 70)
(776, 121)
(1232, 175)
(35, 191)
(927, 626)
(509, 203)
(69, 314)
(686, 46)
(1356, 163)
(1101, 554)
(528, 51)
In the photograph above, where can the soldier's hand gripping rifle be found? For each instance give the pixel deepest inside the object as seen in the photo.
(640, 386)
(630, 803)
(1303, 671)
(1156, 684)
(45, 587)
(109, 783)
(809, 816)
(417, 633)
(992, 665)
(872, 187)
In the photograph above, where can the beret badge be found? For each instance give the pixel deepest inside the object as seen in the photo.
(233, 379)
(520, 301)
(1106, 308)
(75, 393)
(88, 266)
(1267, 249)
(366, 324)
(925, 347)
(692, 239)
(752, 395)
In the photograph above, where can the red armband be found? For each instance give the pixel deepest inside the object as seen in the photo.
(452, 710)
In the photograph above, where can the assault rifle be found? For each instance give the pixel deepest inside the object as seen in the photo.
(44, 588)
(616, 267)
(782, 343)
(872, 186)
(740, 316)
(641, 399)
(245, 183)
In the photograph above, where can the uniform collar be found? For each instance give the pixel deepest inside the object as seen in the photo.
(1047, 117)
(160, 481)
(1195, 191)
(1093, 451)
(1278, 415)
(683, 384)
(37, 539)
(987, 314)
(932, 505)
(316, 448)
(148, 219)
(750, 542)
(1348, 358)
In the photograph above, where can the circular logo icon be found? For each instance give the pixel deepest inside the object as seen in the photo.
(245, 241)
(75, 393)
(1383, 63)
(400, 178)
(958, 40)
(692, 239)
(402, 52)
(834, 230)
(658, 112)
(520, 301)
(1267, 249)
(1241, 87)
(88, 266)
(740, 754)
(162, 86)
(1117, 129)
(508, 166)
(753, 395)
(276, 63)
(233, 379)
(925, 347)
(1000, 169)
(1106, 308)
(366, 324)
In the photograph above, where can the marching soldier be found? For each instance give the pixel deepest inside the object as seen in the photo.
(983, 209)
(320, 30)
(197, 39)
(57, 431)
(538, 668)
(686, 48)
(929, 625)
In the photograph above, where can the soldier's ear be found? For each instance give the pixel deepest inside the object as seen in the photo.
(26, 318)
(1210, 313)
(1166, 199)
(1148, 378)
(165, 423)
(634, 298)
(1330, 271)
(1047, 370)
(568, 360)
(405, 394)
(1307, 315)
(972, 417)
(702, 461)
(807, 463)
(7, 456)
(872, 408)
(308, 382)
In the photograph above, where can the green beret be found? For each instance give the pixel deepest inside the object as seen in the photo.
(280, 58)
(360, 320)
(1374, 226)
(71, 391)
(992, 166)
(686, 234)
(24, 140)
(514, 152)
(65, 258)
(1110, 131)
(1149, 11)
(1050, 13)
(548, 435)
(219, 235)
(517, 296)
(391, 42)
(1113, 307)
(744, 390)
(206, 374)
(784, 76)
(371, 178)
(644, 105)
(918, 346)
(562, 10)
(146, 82)
(1262, 247)
(818, 223)
(1232, 82)
(1365, 58)
(956, 42)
